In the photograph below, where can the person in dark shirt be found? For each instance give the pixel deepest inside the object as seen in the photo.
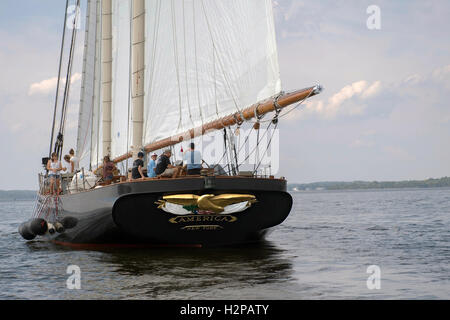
(164, 168)
(138, 166)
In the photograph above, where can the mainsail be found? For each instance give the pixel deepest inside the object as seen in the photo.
(205, 60)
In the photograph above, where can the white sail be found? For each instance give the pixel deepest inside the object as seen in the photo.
(206, 59)
(96, 127)
(87, 87)
(121, 22)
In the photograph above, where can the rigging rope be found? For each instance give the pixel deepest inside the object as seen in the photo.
(99, 87)
(284, 111)
(267, 148)
(60, 139)
(221, 64)
(239, 150)
(185, 66)
(196, 63)
(175, 48)
(153, 59)
(88, 129)
(59, 79)
(257, 145)
(232, 150)
(274, 121)
(130, 84)
(226, 149)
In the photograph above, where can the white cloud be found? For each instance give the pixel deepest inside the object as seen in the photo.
(442, 72)
(442, 76)
(47, 86)
(372, 90)
(399, 153)
(354, 99)
(445, 119)
(76, 77)
(43, 87)
(360, 143)
(413, 79)
(339, 103)
(346, 93)
(439, 76)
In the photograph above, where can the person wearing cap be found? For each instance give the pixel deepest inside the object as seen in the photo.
(152, 166)
(164, 167)
(138, 165)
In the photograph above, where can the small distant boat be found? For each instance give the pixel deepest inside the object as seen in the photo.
(157, 74)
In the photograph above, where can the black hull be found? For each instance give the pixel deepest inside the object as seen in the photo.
(126, 213)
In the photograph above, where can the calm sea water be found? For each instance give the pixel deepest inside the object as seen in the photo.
(322, 251)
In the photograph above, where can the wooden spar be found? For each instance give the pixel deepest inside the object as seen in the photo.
(258, 109)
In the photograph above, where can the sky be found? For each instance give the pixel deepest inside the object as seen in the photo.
(384, 113)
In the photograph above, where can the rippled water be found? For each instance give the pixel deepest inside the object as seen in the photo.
(321, 251)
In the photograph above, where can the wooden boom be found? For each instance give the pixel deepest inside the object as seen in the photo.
(255, 110)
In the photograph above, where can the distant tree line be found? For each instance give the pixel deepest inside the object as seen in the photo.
(17, 195)
(429, 183)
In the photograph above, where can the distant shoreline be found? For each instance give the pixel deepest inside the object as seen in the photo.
(354, 185)
(367, 185)
(17, 195)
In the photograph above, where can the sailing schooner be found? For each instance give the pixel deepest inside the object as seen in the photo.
(157, 73)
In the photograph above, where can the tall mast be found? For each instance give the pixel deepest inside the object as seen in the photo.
(59, 78)
(106, 74)
(138, 69)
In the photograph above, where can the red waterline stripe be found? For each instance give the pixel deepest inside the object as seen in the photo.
(118, 245)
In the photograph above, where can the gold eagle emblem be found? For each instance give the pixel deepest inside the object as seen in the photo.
(207, 202)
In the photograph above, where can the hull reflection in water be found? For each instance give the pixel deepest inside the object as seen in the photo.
(161, 272)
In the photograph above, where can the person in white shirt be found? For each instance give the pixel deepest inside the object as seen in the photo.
(193, 161)
(69, 164)
(74, 161)
(54, 169)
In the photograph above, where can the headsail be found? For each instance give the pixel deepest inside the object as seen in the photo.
(206, 60)
(88, 82)
(96, 129)
(120, 128)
